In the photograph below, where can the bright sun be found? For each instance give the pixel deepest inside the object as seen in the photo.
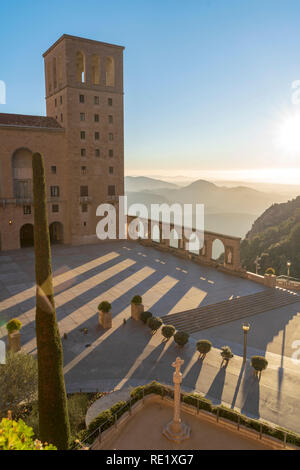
(289, 133)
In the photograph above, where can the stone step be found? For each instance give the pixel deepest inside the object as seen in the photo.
(227, 311)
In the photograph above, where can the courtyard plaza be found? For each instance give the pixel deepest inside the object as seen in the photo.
(128, 354)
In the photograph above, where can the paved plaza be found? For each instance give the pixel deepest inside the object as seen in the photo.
(127, 354)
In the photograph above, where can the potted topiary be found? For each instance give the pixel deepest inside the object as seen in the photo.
(154, 323)
(226, 354)
(168, 331)
(145, 316)
(105, 317)
(136, 307)
(181, 338)
(14, 337)
(259, 363)
(203, 346)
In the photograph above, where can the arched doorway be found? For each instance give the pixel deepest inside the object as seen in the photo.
(26, 236)
(218, 249)
(56, 231)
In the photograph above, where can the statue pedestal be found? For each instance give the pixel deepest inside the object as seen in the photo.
(177, 432)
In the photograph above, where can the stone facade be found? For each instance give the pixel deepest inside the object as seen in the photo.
(82, 140)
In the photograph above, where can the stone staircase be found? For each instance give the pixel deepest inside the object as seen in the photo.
(227, 311)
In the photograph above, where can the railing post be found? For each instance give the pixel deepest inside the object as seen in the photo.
(284, 440)
(197, 406)
(115, 420)
(130, 406)
(260, 431)
(218, 412)
(100, 434)
(239, 422)
(143, 396)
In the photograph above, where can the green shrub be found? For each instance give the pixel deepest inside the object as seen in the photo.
(198, 402)
(181, 338)
(18, 436)
(78, 404)
(154, 323)
(168, 331)
(259, 363)
(204, 346)
(226, 353)
(18, 383)
(136, 299)
(145, 316)
(13, 325)
(104, 306)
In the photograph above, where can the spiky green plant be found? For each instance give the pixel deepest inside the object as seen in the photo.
(52, 401)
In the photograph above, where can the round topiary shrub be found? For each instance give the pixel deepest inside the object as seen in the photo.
(136, 299)
(13, 325)
(145, 316)
(226, 353)
(168, 331)
(181, 338)
(104, 306)
(259, 363)
(204, 346)
(154, 323)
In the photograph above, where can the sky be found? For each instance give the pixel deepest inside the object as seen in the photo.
(208, 83)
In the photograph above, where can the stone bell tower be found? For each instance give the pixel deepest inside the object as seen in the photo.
(84, 93)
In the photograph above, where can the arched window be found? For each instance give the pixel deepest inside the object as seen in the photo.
(54, 72)
(96, 69)
(110, 71)
(59, 70)
(217, 249)
(22, 173)
(80, 65)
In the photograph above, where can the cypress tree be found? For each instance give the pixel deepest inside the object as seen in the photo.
(52, 400)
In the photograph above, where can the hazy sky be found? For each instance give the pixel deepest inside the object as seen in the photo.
(207, 82)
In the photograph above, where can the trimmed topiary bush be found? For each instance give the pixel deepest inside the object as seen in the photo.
(226, 353)
(168, 331)
(145, 316)
(136, 299)
(198, 402)
(204, 346)
(181, 338)
(154, 323)
(13, 325)
(104, 306)
(259, 363)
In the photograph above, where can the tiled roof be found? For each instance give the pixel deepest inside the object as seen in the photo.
(23, 120)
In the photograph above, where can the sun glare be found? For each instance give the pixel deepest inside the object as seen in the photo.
(289, 134)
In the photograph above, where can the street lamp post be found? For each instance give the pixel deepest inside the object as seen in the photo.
(246, 328)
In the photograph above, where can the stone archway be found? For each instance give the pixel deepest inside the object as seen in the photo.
(56, 231)
(218, 249)
(26, 235)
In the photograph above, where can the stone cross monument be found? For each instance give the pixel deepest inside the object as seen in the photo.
(176, 430)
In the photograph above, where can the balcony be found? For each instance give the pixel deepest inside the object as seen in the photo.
(85, 200)
(17, 202)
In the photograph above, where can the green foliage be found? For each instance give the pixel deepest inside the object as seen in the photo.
(168, 331)
(18, 436)
(226, 353)
(78, 404)
(136, 299)
(198, 401)
(181, 338)
(276, 235)
(154, 323)
(145, 316)
(104, 306)
(54, 424)
(204, 346)
(259, 363)
(13, 325)
(18, 383)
